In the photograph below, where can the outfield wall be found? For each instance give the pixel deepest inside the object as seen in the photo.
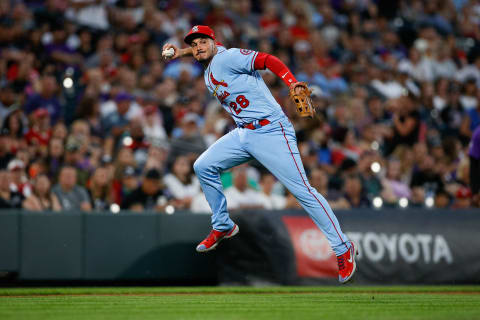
(279, 247)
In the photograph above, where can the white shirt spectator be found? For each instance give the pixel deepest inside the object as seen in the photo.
(439, 103)
(390, 89)
(273, 201)
(180, 190)
(237, 199)
(93, 15)
(422, 71)
(444, 69)
(468, 102)
(200, 205)
(135, 111)
(152, 124)
(468, 71)
(136, 14)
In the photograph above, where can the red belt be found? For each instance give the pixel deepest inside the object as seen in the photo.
(255, 124)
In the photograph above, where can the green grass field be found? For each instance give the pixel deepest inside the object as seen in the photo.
(339, 303)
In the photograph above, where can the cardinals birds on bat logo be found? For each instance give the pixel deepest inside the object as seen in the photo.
(216, 82)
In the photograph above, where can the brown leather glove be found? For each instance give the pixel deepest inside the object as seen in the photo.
(300, 94)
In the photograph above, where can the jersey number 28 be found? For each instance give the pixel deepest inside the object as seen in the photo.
(241, 101)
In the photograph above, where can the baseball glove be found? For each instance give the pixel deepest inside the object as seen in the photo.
(300, 94)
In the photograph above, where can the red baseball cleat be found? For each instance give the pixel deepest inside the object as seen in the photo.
(211, 242)
(347, 265)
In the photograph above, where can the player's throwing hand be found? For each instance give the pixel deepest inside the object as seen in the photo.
(166, 52)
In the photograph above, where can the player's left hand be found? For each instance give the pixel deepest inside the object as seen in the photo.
(301, 96)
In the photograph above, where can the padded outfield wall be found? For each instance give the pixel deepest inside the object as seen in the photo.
(274, 247)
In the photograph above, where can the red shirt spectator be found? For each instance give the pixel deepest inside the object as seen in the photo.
(40, 132)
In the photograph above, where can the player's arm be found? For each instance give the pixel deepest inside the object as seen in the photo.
(178, 52)
(267, 61)
(299, 91)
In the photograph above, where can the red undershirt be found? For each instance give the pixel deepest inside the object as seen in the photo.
(265, 60)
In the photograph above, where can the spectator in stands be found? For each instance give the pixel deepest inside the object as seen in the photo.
(406, 123)
(199, 204)
(5, 152)
(92, 14)
(89, 110)
(370, 182)
(80, 130)
(393, 187)
(13, 128)
(463, 198)
(319, 180)
(137, 141)
(99, 189)
(181, 182)
(442, 199)
(40, 132)
(353, 192)
(115, 122)
(76, 157)
(60, 131)
(271, 200)
(125, 185)
(474, 153)
(418, 197)
(148, 196)
(190, 142)
(152, 124)
(8, 97)
(69, 193)
(8, 199)
(42, 198)
(55, 156)
(385, 92)
(426, 177)
(46, 98)
(18, 177)
(240, 195)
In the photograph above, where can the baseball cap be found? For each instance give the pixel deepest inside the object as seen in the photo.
(15, 164)
(463, 193)
(199, 30)
(122, 96)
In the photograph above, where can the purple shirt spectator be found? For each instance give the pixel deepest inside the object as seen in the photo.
(474, 150)
(52, 104)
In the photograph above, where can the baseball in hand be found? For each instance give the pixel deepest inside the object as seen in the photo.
(168, 53)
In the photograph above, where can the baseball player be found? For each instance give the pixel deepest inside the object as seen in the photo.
(263, 132)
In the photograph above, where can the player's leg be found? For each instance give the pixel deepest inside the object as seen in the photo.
(275, 147)
(224, 154)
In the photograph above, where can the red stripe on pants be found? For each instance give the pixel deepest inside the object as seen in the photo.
(291, 153)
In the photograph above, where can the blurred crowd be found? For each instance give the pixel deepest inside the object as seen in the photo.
(92, 118)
